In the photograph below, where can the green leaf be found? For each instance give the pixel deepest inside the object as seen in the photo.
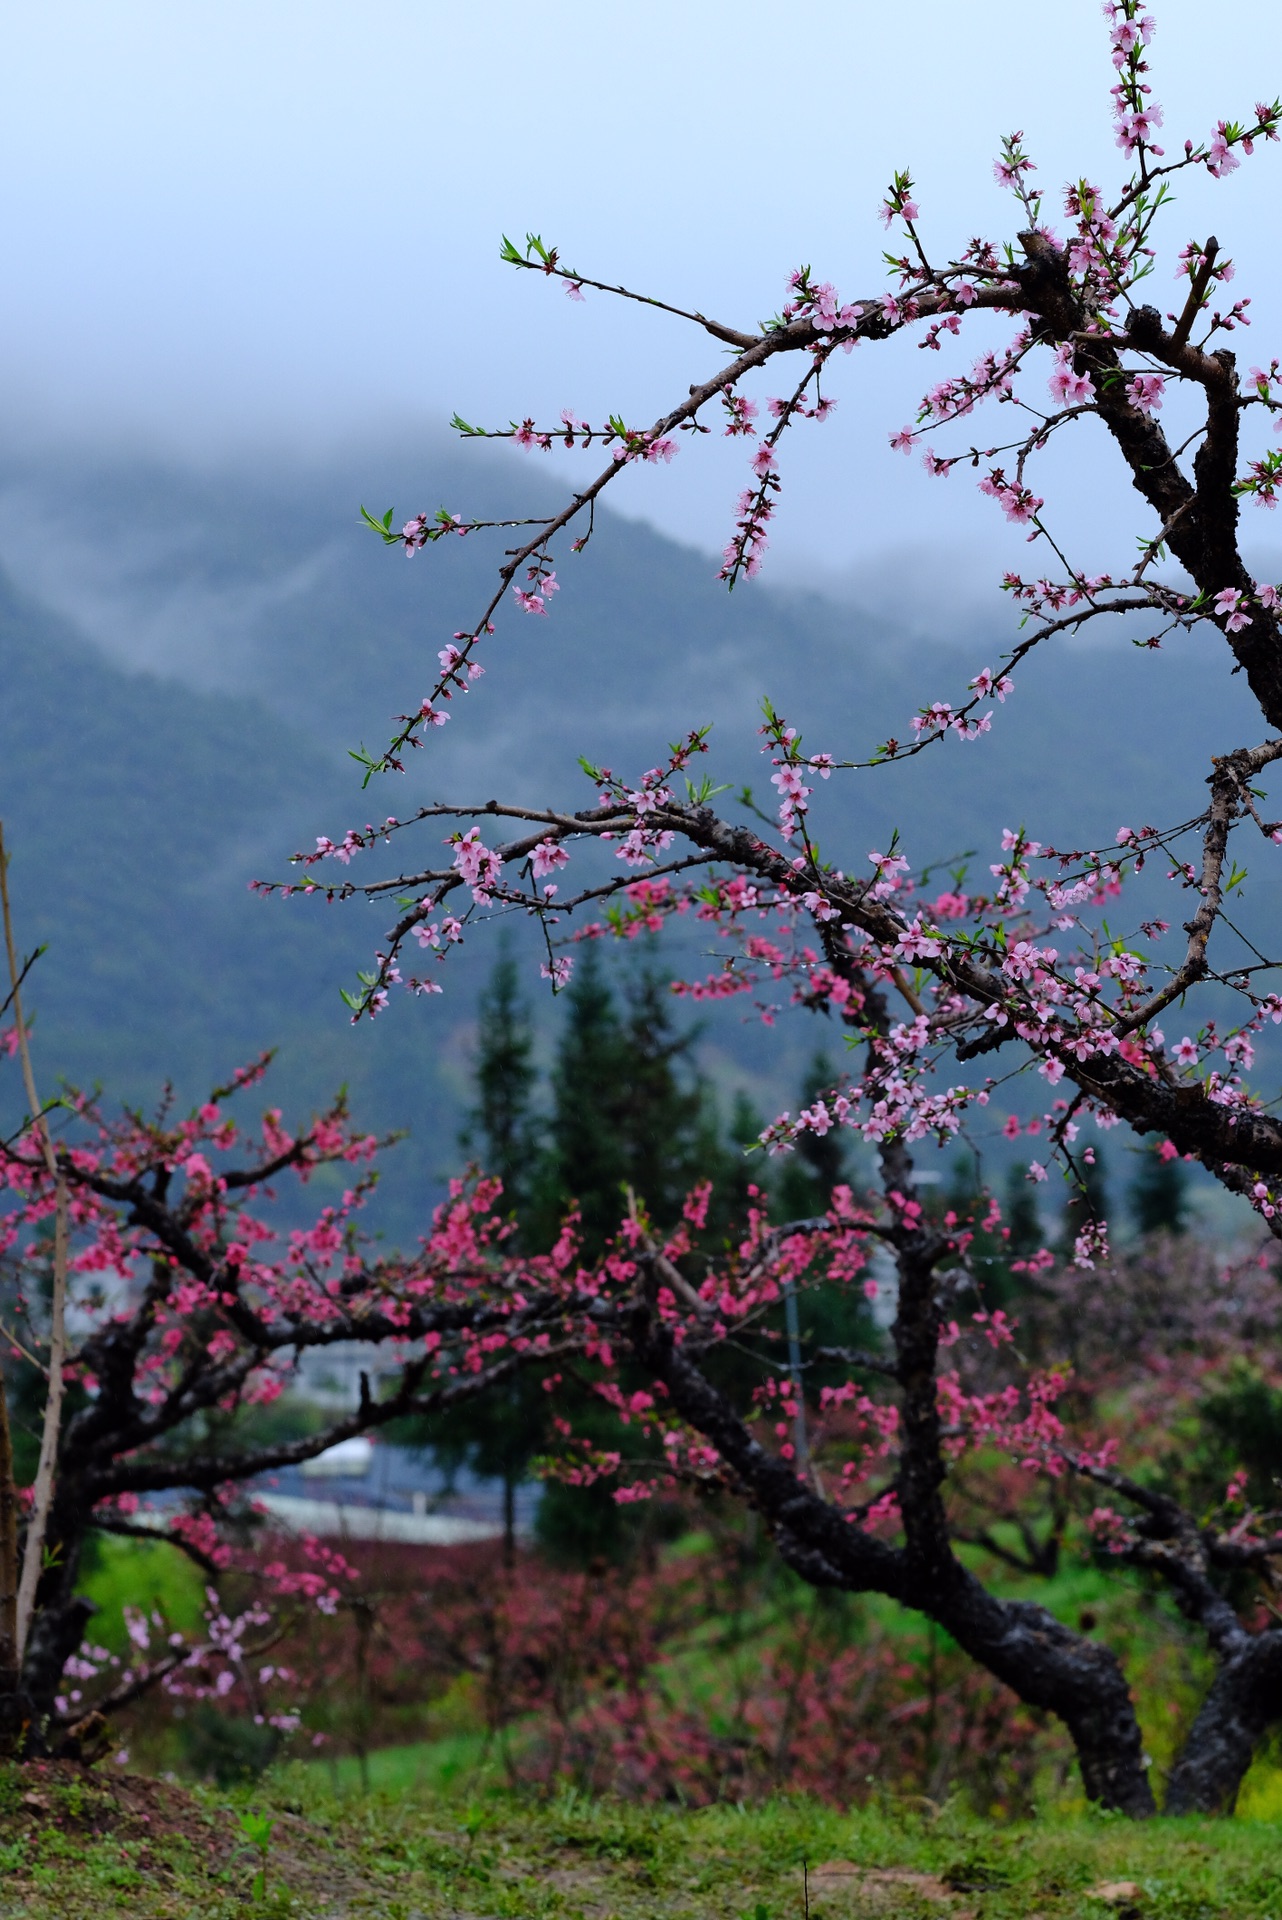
(383, 527)
(705, 791)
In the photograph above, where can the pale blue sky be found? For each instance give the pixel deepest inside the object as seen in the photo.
(277, 220)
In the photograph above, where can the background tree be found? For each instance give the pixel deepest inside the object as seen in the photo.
(1087, 1201)
(193, 1309)
(629, 1114)
(809, 1175)
(502, 1129)
(626, 1110)
(1158, 1196)
(628, 1107)
(497, 1436)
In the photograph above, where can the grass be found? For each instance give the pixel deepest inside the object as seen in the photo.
(105, 1844)
(431, 1832)
(147, 1574)
(442, 1766)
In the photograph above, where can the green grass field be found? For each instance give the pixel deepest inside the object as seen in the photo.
(433, 1829)
(106, 1843)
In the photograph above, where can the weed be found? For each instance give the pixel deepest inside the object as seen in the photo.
(258, 1829)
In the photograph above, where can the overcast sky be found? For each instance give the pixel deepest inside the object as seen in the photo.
(278, 220)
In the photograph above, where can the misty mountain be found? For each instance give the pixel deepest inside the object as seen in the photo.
(186, 656)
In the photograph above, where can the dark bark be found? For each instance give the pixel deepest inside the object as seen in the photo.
(1046, 1664)
(1219, 1136)
(18, 1714)
(56, 1633)
(1244, 1702)
(509, 1521)
(1201, 516)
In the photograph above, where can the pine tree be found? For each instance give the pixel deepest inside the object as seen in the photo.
(1087, 1200)
(992, 1251)
(1021, 1216)
(628, 1109)
(818, 1161)
(585, 1163)
(829, 1313)
(666, 1120)
(497, 1438)
(1158, 1196)
(502, 1129)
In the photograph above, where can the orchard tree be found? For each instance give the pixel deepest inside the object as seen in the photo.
(190, 1304)
(1154, 1029)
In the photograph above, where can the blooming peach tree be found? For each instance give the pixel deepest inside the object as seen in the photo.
(190, 1302)
(1153, 1029)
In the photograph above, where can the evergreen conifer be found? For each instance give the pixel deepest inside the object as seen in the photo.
(497, 1438)
(502, 1130)
(818, 1162)
(1159, 1194)
(628, 1109)
(1087, 1200)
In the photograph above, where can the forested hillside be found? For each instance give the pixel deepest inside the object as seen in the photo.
(275, 633)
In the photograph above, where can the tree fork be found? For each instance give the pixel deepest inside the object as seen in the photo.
(1045, 1663)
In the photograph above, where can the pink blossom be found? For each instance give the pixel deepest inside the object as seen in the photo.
(986, 683)
(1017, 503)
(478, 865)
(1229, 605)
(1220, 158)
(1145, 392)
(547, 857)
(1069, 388)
